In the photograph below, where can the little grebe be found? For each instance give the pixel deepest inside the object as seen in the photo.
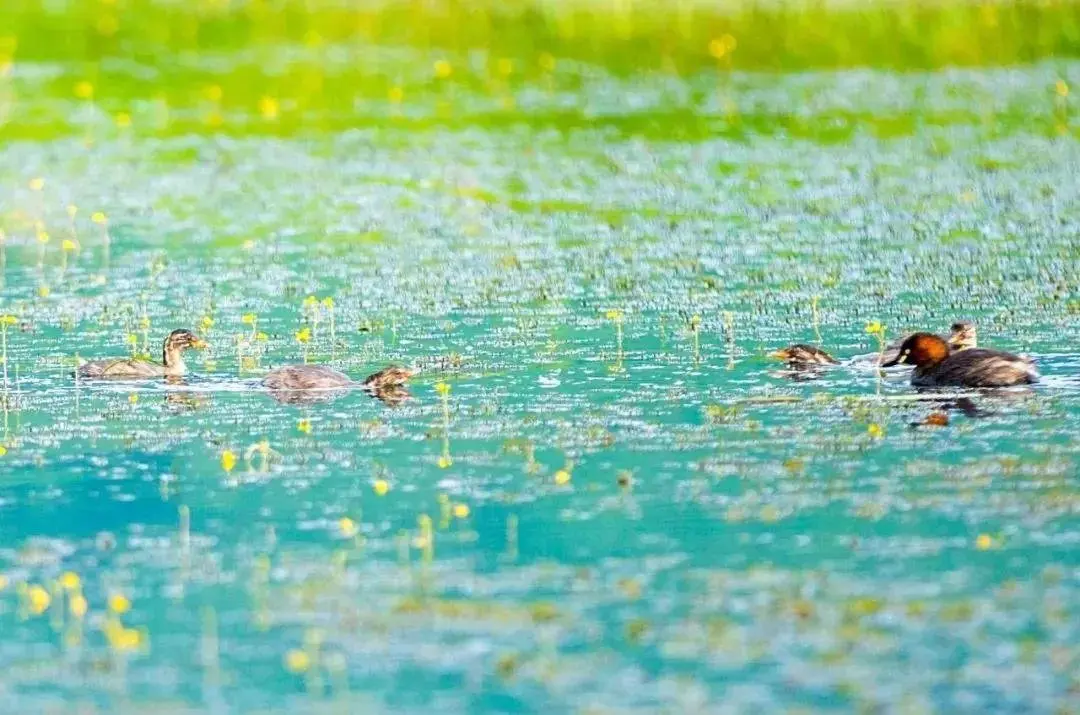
(172, 361)
(935, 365)
(962, 336)
(800, 356)
(296, 380)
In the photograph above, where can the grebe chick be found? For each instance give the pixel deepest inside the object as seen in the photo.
(304, 383)
(800, 356)
(172, 361)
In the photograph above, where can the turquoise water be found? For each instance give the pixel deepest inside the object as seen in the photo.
(673, 525)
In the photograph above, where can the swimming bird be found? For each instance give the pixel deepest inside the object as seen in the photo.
(171, 365)
(962, 336)
(800, 356)
(937, 365)
(305, 383)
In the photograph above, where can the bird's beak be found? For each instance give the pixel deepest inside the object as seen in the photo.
(779, 354)
(200, 344)
(898, 360)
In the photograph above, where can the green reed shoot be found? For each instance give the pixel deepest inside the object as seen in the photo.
(729, 331)
(694, 324)
(328, 303)
(877, 329)
(5, 321)
(303, 336)
(443, 388)
(816, 317)
(99, 218)
(616, 317)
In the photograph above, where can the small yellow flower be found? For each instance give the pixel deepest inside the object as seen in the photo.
(304, 426)
(1061, 88)
(249, 245)
(874, 327)
(547, 61)
(396, 95)
(983, 542)
(43, 235)
(381, 487)
(248, 319)
(562, 477)
(505, 66)
(3, 450)
(68, 245)
(70, 580)
(72, 209)
(213, 92)
(99, 218)
(268, 108)
(442, 388)
(3, 582)
(875, 431)
(122, 638)
(328, 302)
(206, 323)
(262, 337)
(615, 315)
(84, 90)
(119, 603)
(228, 460)
(303, 335)
(37, 599)
(443, 69)
(133, 398)
(445, 462)
(43, 291)
(297, 661)
(347, 526)
(123, 120)
(310, 301)
(78, 605)
(723, 45)
(37, 184)
(461, 511)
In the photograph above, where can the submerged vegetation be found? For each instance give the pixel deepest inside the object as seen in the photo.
(584, 226)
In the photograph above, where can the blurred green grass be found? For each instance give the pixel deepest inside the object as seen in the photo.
(621, 35)
(105, 68)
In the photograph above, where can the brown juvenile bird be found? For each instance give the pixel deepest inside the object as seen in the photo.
(303, 383)
(171, 365)
(800, 356)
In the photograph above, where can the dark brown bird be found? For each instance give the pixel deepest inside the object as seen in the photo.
(172, 361)
(301, 383)
(936, 365)
(962, 336)
(800, 356)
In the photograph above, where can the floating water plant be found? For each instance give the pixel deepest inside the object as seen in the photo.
(877, 329)
(616, 317)
(443, 389)
(303, 337)
(6, 321)
(729, 332)
(99, 218)
(815, 316)
(694, 326)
